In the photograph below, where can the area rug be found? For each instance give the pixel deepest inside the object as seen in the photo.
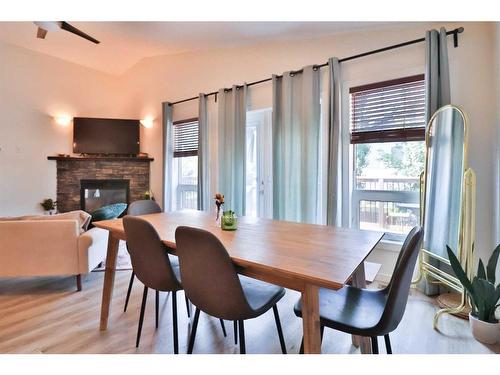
(450, 300)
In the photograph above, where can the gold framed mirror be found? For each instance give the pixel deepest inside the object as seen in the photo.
(447, 202)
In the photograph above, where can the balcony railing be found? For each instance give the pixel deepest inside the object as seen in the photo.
(388, 215)
(393, 183)
(187, 196)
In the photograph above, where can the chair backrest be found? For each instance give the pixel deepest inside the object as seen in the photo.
(143, 207)
(149, 255)
(208, 275)
(399, 286)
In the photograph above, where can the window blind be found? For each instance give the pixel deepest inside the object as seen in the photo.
(388, 111)
(185, 138)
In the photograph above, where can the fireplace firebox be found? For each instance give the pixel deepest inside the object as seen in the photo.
(98, 193)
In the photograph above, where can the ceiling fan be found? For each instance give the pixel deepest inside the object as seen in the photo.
(44, 27)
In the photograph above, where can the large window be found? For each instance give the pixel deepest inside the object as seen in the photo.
(258, 164)
(185, 166)
(387, 137)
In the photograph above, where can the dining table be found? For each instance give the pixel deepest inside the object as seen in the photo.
(298, 256)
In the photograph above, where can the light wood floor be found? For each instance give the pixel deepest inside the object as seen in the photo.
(48, 315)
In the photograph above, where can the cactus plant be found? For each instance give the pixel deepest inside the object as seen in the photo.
(481, 290)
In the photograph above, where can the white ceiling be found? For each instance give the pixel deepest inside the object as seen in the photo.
(123, 44)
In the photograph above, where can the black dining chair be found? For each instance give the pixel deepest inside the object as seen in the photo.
(152, 266)
(145, 207)
(371, 313)
(142, 207)
(212, 284)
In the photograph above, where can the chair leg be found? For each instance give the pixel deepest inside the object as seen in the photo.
(79, 282)
(188, 306)
(374, 345)
(322, 330)
(223, 327)
(192, 337)
(131, 282)
(141, 316)
(241, 327)
(235, 330)
(157, 308)
(388, 344)
(174, 318)
(280, 331)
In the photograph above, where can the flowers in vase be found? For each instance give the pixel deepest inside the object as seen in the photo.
(219, 201)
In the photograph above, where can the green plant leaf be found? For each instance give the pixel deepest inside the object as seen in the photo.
(459, 272)
(481, 273)
(492, 265)
(484, 298)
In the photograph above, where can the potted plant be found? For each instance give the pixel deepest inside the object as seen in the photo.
(148, 195)
(483, 295)
(49, 205)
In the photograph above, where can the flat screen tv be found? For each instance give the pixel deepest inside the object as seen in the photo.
(105, 136)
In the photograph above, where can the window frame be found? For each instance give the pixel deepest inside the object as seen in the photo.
(351, 212)
(180, 188)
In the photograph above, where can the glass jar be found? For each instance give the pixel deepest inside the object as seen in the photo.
(229, 220)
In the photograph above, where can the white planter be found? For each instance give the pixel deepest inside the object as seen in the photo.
(485, 332)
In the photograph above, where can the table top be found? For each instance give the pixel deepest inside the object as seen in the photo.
(322, 255)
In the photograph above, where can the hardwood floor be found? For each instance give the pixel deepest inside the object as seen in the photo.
(48, 315)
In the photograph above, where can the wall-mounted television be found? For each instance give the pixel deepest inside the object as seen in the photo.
(106, 136)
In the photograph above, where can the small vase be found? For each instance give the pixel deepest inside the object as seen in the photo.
(229, 221)
(218, 215)
(485, 332)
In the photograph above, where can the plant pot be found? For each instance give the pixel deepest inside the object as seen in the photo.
(484, 332)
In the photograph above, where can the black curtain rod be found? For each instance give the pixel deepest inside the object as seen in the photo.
(454, 32)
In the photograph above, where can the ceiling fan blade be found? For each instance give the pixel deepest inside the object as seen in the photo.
(66, 26)
(41, 33)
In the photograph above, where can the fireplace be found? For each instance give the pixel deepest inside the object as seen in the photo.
(73, 171)
(98, 193)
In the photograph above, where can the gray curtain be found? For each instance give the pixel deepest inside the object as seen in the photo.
(334, 189)
(296, 129)
(203, 156)
(168, 143)
(437, 72)
(232, 106)
(441, 196)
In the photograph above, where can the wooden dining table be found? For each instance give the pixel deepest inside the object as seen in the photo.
(302, 257)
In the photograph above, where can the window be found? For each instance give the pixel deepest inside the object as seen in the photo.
(258, 164)
(185, 165)
(387, 138)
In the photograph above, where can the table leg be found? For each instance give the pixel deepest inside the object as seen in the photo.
(310, 319)
(359, 281)
(109, 279)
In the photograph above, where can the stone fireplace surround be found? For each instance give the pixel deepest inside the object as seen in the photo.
(70, 170)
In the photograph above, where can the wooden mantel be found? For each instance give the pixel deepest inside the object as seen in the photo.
(101, 158)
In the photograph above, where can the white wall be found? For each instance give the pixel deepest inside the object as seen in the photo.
(34, 88)
(471, 67)
(37, 86)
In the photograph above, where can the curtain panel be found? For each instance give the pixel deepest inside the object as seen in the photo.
(334, 187)
(442, 199)
(296, 130)
(203, 155)
(168, 141)
(232, 108)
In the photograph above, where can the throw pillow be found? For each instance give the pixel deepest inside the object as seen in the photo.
(108, 212)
